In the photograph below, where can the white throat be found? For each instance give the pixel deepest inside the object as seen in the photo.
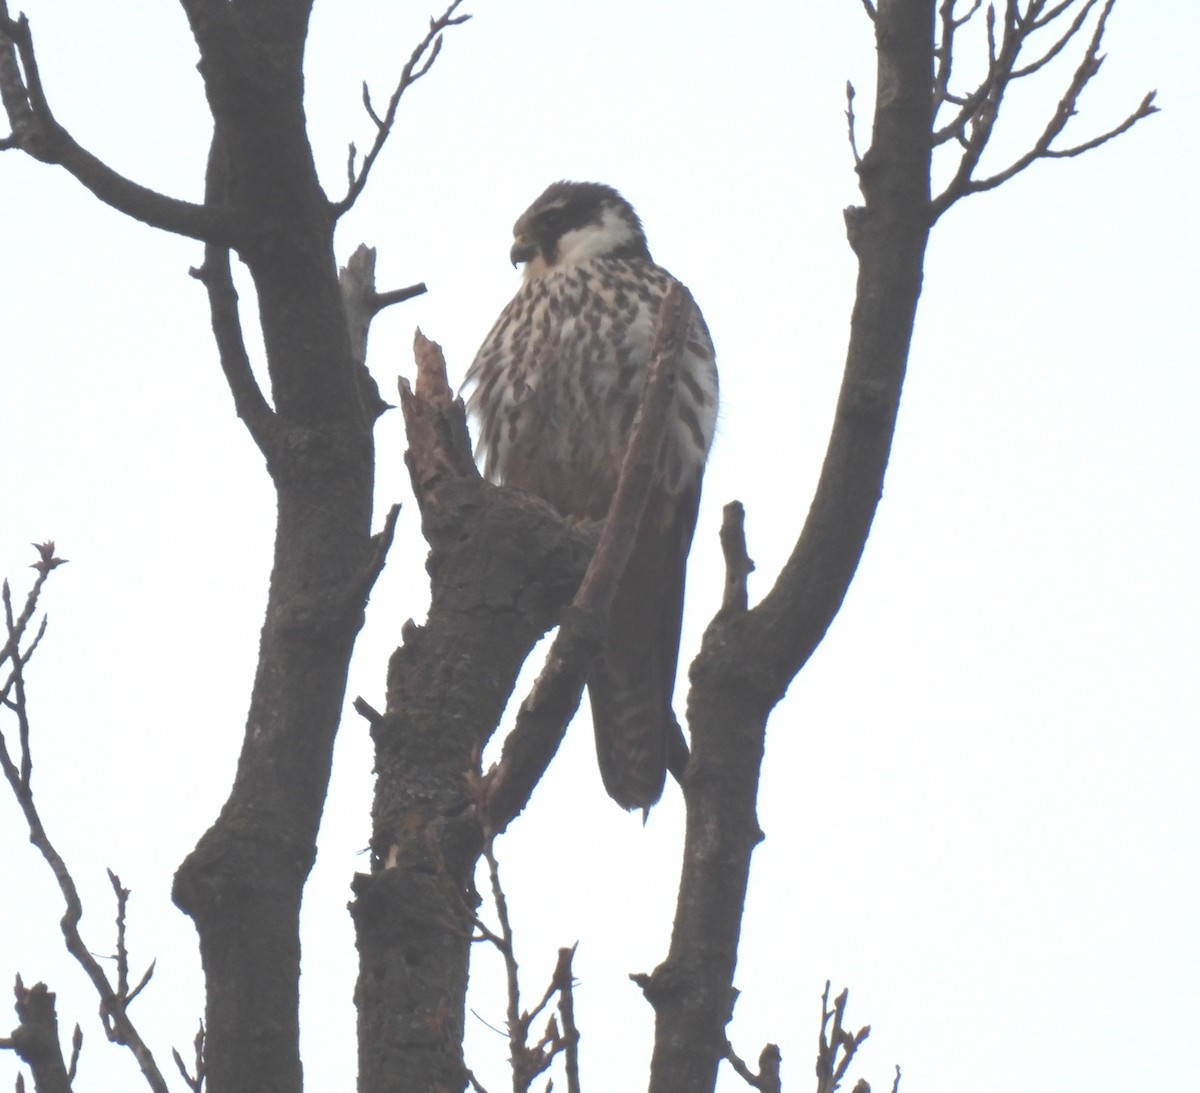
(591, 241)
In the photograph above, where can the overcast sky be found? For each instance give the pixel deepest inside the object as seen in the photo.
(980, 797)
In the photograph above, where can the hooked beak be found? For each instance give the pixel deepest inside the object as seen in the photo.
(523, 249)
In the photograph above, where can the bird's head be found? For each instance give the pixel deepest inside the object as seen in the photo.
(572, 222)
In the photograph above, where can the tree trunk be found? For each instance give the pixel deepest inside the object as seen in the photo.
(748, 658)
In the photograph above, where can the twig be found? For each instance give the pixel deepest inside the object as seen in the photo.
(530, 1060)
(554, 697)
(361, 299)
(47, 562)
(381, 543)
(248, 400)
(122, 955)
(944, 53)
(365, 710)
(113, 1003)
(1058, 46)
(830, 1069)
(850, 123)
(76, 1049)
(516, 1037)
(418, 64)
(564, 980)
(767, 1079)
(20, 778)
(974, 120)
(475, 1083)
(194, 1080)
(738, 565)
(399, 295)
(739, 1065)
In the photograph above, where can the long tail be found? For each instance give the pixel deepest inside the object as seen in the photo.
(638, 738)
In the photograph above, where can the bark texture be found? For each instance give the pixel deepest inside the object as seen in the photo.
(242, 884)
(502, 565)
(749, 657)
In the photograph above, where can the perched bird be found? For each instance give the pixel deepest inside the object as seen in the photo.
(555, 388)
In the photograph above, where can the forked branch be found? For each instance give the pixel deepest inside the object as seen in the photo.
(560, 1037)
(114, 1001)
(767, 1080)
(248, 399)
(194, 1078)
(418, 64)
(35, 131)
(836, 1046)
(1016, 50)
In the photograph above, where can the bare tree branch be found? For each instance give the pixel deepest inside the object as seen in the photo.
(944, 51)
(530, 1060)
(749, 656)
(738, 565)
(850, 122)
(362, 303)
(974, 121)
(36, 132)
(195, 1078)
(767, 1079)
(418, 64)
(564, 981)
(1060, 44)
(122, 955)
(830, 1068)
(504, 943)
(114, 1002)
(248, 400)
(47, 562)
(76, 1050)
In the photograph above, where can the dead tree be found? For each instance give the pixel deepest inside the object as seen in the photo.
(504, 568)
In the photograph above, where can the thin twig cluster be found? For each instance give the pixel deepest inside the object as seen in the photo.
(835, 1052)
(194, 1077)
(36, 1040)
(832, 1066)
(560, 1035)
(418, 64)
(1022, 39)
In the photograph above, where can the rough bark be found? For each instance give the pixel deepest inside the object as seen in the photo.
(35, 1039)
(749, 657)
(502, 566)
(242, 884)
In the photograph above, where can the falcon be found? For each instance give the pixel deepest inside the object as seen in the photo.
(554, 389)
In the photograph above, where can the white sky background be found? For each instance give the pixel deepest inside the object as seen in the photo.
(980, 796)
